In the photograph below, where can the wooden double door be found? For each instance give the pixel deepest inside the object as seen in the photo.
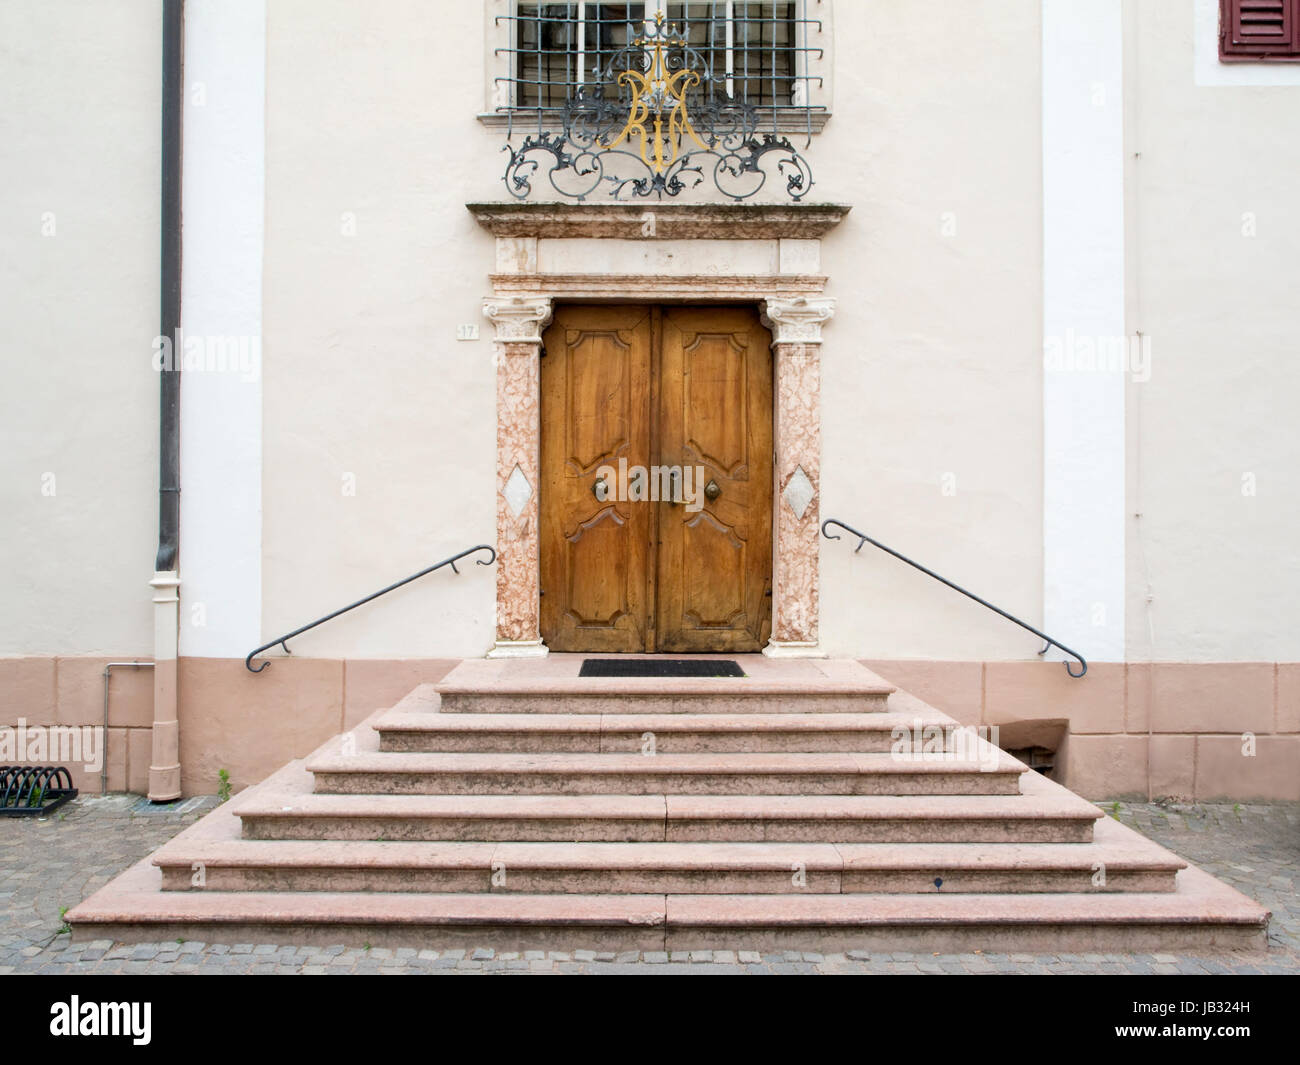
(656, 480)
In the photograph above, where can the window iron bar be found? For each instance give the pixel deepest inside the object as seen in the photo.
(601, 136)
(763, 57)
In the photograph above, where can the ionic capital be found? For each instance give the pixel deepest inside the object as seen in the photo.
(797, 319)
(518, 319)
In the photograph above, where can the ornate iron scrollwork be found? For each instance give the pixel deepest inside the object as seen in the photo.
(656, 122)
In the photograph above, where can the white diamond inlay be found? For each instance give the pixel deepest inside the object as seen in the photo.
(799, 492)
(518, 492)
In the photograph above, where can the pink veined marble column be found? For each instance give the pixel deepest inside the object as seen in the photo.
(519, 322)
(796, 344)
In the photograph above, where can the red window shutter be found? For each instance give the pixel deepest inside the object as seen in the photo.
(1259, 30)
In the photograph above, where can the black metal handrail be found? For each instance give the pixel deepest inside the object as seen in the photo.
(863, 538)
(283, 640)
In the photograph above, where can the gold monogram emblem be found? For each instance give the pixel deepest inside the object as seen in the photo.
(658, 117)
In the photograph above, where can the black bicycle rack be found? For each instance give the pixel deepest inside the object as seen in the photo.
(34, 789)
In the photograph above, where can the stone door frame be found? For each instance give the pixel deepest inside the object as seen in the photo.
(651, 257)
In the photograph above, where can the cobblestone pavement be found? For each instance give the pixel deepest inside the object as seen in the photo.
(51, 864)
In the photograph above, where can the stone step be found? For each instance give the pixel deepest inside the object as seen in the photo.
(770, 686)
(378, 773)
(654, 866)
(653, 818)
(406, 732)
(1201, 914)
(284, 807)
(1112, 863)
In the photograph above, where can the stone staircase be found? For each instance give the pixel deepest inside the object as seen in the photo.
(520, 806)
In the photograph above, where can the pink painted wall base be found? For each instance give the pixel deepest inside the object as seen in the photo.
(1193, 731)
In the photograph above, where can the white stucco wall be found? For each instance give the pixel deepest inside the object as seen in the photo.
(1212, 247)
(932, 382)
(221, 307)
(931, 363)
(79, 234)
(1083, 317)
(377, 426)
(373, 150)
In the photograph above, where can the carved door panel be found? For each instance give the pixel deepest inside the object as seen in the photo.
(595, 570)
(656, 485)
(715, 422)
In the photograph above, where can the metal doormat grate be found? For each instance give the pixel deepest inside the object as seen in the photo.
(660, 667)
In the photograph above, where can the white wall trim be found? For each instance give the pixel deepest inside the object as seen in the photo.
(1212, 73)
(223, 188)
(1083, 307)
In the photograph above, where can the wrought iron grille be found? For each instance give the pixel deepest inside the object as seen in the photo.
(754, 52)
(654, 115)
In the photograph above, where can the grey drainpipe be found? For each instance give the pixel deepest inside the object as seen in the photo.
(164, 762)
(169, 433)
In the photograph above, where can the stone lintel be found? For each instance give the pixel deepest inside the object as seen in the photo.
(659, 221)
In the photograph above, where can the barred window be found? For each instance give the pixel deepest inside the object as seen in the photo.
(753, 51)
